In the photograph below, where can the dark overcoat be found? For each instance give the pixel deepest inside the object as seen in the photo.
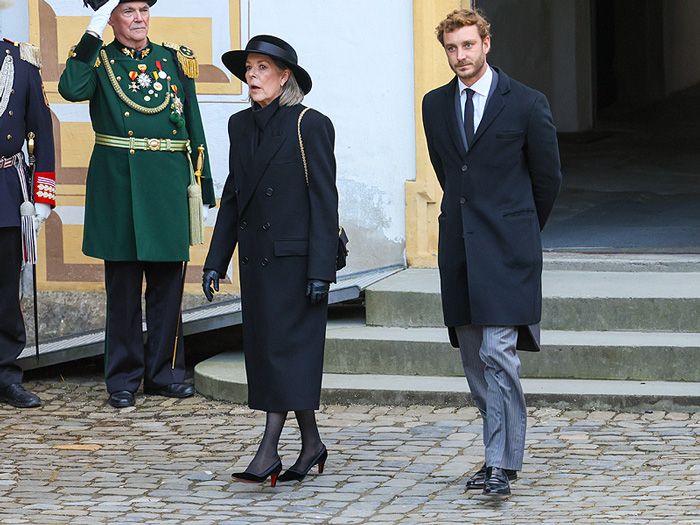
(287, 233)
(497, 198)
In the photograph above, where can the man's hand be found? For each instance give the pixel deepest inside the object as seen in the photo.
(99, 20)
(42, 212)
(317, 290)
(210, 278)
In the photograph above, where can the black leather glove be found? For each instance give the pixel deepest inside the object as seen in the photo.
(209, 278)
(317, 290)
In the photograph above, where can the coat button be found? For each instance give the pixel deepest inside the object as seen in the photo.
(465, 167)
(462, 201)
(269, 192)
(236, 191)
(265, 261)
(244, 260)
(244, 225)
(9, 137)
(266, 226)
(11, 113)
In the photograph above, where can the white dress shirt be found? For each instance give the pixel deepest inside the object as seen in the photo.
(481, 89)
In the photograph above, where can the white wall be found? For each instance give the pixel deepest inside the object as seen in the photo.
(14, 21)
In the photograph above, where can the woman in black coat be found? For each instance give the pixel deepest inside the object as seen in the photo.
(286, 229)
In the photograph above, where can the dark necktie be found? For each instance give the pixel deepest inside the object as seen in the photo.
(469, 117)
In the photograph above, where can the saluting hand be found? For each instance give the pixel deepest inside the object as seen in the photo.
(317, 290)
(210, 279)
(99, 20)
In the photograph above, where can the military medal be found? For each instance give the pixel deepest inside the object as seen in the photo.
(158, 86)
(147, 98)
(161, 74)
(142, 67)
(144, 80)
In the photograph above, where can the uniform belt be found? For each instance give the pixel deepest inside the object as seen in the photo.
(8, 162)
(134, 144)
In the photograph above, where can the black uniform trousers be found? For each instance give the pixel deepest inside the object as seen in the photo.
(12, 334)
(160, 360)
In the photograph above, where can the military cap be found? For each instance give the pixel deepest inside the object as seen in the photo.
(96, 4)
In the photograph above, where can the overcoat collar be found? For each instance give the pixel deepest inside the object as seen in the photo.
(494, 106)
(255, 161)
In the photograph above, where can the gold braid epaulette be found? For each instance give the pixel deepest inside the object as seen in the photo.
(186, 58)
(30, 53)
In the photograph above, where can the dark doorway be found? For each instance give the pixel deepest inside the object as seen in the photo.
(632, 183)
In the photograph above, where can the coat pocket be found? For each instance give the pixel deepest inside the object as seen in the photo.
(509, 135)
(524, 212)
(287, 248)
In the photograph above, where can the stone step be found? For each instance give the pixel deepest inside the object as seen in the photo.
(572, 300)
(223, 377)
(353, 348)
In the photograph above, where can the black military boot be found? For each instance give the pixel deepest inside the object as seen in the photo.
(18, 397)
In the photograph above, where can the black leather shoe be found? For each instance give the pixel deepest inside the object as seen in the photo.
(180, 390)
(18, 397)
(496, 483)
(476, 482)
(122, 399)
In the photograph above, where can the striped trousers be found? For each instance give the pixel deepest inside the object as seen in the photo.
(492, 368)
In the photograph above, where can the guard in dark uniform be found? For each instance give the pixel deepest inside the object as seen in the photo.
(142, 210)
(24, 117)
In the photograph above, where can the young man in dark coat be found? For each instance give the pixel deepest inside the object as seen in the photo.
(24, 117)
(494, 149)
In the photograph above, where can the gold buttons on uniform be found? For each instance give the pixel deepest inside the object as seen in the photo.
(132, 151)
(9, 137)
(119, 79)
(174, 132)
(127, 114)
(73, 55)
(11, 113)
(111, 61)
(130, 133)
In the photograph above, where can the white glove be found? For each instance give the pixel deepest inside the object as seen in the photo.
(42, 213)
(98, 22)
(205, 212)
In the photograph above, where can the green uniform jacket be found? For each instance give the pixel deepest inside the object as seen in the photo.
(136, 202)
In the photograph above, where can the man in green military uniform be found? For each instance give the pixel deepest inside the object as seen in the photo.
(143, 204)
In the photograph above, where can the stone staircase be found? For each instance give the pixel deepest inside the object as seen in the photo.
(628, 338)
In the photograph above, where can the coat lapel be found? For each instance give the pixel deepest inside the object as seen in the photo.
(260, 161)
(494, 106)
(451, 116)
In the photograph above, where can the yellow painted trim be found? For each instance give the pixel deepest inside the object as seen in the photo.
(430, 71)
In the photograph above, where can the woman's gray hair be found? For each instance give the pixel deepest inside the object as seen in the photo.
(291, 92)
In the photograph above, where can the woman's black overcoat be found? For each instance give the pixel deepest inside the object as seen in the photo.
(287, 233)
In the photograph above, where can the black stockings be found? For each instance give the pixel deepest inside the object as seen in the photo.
(311, 444)
(267, 455)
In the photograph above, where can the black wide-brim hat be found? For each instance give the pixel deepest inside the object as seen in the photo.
(273, 47)
(96, 4)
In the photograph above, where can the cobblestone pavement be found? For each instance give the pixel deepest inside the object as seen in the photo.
(77, 460)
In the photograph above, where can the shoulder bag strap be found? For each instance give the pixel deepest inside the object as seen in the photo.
(301, 146)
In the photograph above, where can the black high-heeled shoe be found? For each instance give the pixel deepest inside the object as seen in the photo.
(292, 475)
(248, 477)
